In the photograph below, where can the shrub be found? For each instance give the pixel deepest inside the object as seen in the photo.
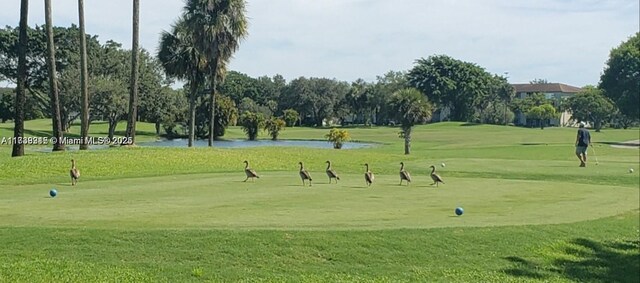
(274, 126)
(251, 123)
(337, 137)
(291, 117)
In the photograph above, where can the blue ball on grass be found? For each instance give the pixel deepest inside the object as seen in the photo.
(53, 193)
(459, 211)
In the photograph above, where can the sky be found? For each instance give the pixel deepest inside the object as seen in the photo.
(563, 41)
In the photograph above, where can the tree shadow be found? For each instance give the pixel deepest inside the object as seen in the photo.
(470, 124)
(585, 260)
(34, 133)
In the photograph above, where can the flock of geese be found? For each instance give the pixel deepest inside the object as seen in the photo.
(369, 177)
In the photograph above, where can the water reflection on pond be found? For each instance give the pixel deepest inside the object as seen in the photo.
(247, 143)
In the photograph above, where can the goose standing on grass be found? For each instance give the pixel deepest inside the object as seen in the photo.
(368, 175)
(404, 175)
(435, 177)
(74, 173)
(304, 174)
(250, 172)
(331, 173)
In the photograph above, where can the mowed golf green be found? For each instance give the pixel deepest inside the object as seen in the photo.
(180, 214)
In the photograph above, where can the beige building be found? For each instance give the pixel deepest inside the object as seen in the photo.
(555, 91)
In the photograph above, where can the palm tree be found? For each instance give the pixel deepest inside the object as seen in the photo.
(53, 80)
(217, 27)
(411, 107)
(18, 130)
(135, 62)
(84, 78)
(181, 60)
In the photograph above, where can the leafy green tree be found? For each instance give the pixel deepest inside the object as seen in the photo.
(459, 85)
(590, 105)
(411, 107)
(291, 116)
(313, 98)
(226, 114)
(238, 86)
(6, 104)
(274, 126)
(251, 124)
(217, 27)
(166, 107)
(506, 93)
(18, 148)
(523, 105)
(384, 88)
(338, 137)
(174, 111)
(495, 114)
(247, 104)
(361, 100)
(69, 97)
(542, 114)
(620, 80)
(109, 100)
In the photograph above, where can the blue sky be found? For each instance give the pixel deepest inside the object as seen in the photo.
(565, 41)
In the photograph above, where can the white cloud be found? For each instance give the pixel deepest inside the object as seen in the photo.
(560, 40)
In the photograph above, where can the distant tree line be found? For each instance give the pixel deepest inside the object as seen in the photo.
(435, 85)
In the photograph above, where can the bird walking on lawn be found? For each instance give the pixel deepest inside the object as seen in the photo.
(331, 173)
(304, 174)
(404, 175)
(74, 173)
(368, 175)
(250, 172)
(435, 177)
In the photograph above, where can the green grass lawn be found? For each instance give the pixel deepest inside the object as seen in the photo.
(183, 214)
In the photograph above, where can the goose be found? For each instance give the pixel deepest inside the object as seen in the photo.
(331, 173)
(368, 175)
(304, 174)
(404, 175)
(250, 172)
(435, 177)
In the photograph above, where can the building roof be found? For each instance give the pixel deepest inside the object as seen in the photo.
(554, 87)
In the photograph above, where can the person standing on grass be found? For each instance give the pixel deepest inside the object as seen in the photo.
(583, 140)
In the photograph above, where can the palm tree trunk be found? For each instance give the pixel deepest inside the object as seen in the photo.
(212, 119)
(18, 130)
(84, 77)
(53, 81)
(407, 140)
(192, 111)
(135, 56)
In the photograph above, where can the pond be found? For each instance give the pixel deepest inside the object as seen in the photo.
(258, 143)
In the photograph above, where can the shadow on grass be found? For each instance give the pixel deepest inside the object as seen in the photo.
(629, 144)
(585, 260)
(34, 133)
(470, 124)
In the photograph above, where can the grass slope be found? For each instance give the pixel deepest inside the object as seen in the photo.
(176, 215)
